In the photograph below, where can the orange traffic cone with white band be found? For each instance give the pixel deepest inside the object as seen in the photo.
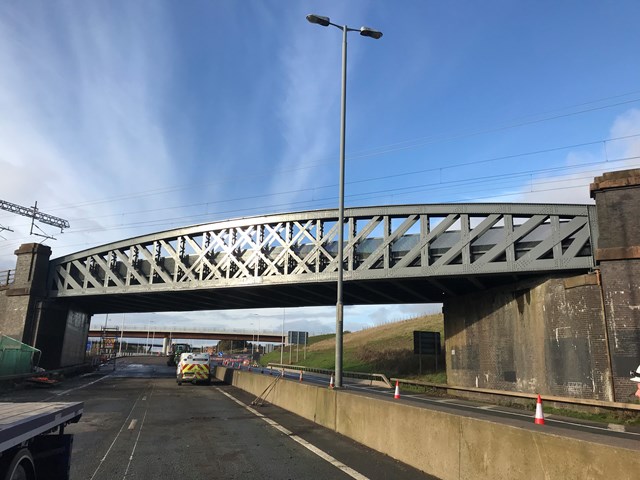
(331, 381)
(397, 394)
(539, 419)
(300, 375)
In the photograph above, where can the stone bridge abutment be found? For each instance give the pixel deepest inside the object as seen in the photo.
(574, 336)
(57, 329)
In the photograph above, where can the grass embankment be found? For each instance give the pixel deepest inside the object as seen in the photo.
(388, 349)
(384, 349)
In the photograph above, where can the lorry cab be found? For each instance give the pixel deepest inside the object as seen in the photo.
(194, 367)
(176, 350)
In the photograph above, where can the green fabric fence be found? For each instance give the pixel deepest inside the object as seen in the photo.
(16, 357)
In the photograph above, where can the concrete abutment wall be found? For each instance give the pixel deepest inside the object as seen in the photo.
(447, 446)
(547, 336)
(574, 336)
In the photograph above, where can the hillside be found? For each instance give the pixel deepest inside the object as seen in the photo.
(385, 349)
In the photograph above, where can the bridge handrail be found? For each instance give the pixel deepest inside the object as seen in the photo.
(532, 396)
(7, 277)
(144, 328)
(380, 377)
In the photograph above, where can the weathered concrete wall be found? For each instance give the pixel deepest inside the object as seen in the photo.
(543, 337)
(617, 197)
(62, 335)
(448, 446)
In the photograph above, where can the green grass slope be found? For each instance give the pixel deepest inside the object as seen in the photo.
(384, 349)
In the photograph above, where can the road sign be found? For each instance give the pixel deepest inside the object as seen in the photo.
(426, 343)
(298, 338)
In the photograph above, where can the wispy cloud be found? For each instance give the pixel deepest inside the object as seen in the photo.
(571, 182)
(81, 90)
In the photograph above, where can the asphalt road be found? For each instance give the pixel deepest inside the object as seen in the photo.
(139, 424)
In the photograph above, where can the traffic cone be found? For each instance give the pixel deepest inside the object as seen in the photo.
(539, 418)
(397, 394)
(300, 375)
(331, 381)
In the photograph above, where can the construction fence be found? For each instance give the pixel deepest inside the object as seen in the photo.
(16, 357)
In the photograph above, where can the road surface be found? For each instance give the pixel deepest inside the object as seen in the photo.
(139, 424)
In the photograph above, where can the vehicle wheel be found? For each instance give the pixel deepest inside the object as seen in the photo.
(21, 467)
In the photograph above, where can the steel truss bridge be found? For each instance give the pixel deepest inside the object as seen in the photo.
(392, 254)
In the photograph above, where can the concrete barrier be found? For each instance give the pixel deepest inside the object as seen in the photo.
(442, 444)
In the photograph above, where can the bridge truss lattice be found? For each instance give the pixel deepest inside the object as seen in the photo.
(419, 249)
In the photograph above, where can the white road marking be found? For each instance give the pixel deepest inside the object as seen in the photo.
(321, 453)
(114, 440)
(78, 388)
(133, 451)
(133, 423)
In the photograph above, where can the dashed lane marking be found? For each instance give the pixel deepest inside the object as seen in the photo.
(321, 453)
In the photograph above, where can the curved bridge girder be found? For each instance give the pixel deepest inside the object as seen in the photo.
(392, 254)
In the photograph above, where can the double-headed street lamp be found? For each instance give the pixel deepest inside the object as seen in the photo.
(365, 32)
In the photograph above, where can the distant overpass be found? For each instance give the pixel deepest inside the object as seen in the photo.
(186, 334)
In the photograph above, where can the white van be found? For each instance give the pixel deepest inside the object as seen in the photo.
(194, 367)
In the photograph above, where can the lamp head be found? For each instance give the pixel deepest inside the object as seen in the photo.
(370, 32)
(324, 21)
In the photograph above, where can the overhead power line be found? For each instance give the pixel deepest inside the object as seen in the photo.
(35, 215)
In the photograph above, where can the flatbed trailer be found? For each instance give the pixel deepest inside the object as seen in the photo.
(33, 444)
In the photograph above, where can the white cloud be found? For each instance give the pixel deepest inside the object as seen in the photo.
(84, 92)
(571, 185)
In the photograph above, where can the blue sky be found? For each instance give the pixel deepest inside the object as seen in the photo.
(128, 118)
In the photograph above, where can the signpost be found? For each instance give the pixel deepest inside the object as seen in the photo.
(298, 338)
(426, 343)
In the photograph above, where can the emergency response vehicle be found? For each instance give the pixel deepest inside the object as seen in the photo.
(194, 367)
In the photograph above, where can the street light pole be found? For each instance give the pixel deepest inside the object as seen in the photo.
(282, 346)
(365, 32)
(121, 336)
(252, 341)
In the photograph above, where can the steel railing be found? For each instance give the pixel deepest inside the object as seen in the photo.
(7, 277)
(522, 395)
(371, 377)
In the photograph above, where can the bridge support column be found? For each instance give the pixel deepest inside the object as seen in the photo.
(547, 336)
(617, 196)
(57, 329)
(62, 334)
(19, 300)
(166, 343)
